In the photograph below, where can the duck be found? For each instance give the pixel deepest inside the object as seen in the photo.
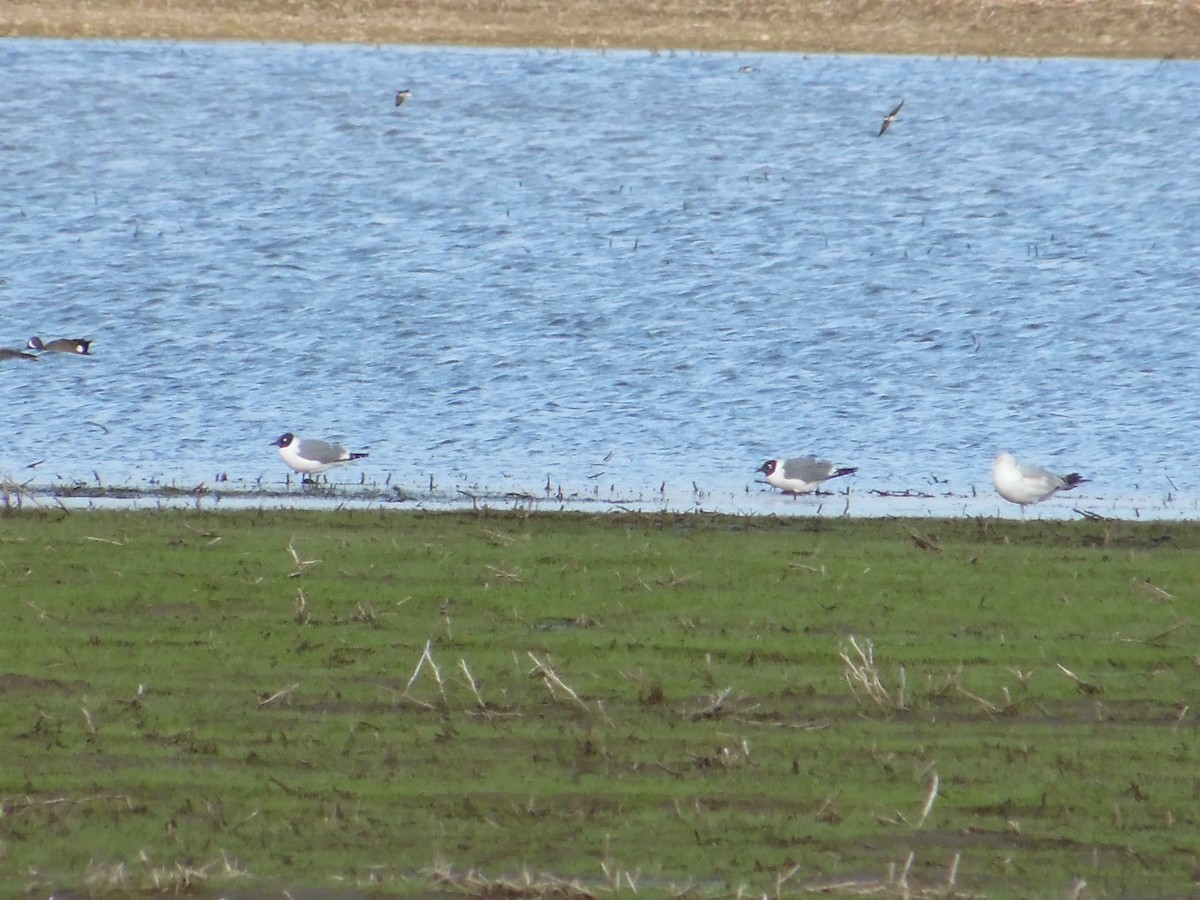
(79, 346)
(10, 353)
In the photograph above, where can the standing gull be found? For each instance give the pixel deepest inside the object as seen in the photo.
(1029, 484)
(802, 474)
(890, 118)
(310, 456)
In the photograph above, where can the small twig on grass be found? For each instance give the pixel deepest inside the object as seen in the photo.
(301, 563)
(12, 494)
(301, 608)
(676, 580)
(283, 696)
(1181, 711)
(896, 884)
(930, 798)
(510, 577)
(427, 659)
(725, 757)
(1154, 639)
(12, 806)
(1153, 590)
(801, 567)
(246, 821)
(499, 538)
(715, 706)
(214, 538)
(902, 881)
(476, 884)
(553, 682)
(863, 676)
(1085, 686)
(462, 664)
(925, 542)
(366, 613)
(176, 878)
(42, 614)
(99, 540)
(984, 704)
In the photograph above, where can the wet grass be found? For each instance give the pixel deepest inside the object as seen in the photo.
(391, 702)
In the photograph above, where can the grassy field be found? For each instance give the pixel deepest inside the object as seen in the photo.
(390, 702)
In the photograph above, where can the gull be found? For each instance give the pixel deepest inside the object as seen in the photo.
(890, 118)
(310, 456)
(402, 95)
(1025, 484)
(802, 474)
(62, 345)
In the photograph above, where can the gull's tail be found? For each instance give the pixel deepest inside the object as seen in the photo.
(1073, 480)
(359, 455)
(841, 472)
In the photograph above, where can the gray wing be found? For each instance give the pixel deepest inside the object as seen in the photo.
(807, 468)
(1041, 477)
(322, 451)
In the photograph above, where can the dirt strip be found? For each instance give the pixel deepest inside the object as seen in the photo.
(1099, 28)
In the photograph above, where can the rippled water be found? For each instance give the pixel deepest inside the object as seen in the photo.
(611, 272)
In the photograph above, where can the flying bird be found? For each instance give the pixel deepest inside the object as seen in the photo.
(801, 474)
(890, 118)
(402, 95)
(1026, 484)
(309, 456)
(62, 345)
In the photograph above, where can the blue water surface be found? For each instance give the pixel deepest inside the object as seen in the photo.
(625, 275)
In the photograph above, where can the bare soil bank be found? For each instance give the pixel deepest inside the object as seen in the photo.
(1106, 28)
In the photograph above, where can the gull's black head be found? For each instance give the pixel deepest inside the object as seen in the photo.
(768, 468)
(284, 440)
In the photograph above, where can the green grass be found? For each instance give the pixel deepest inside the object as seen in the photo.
(186, 704)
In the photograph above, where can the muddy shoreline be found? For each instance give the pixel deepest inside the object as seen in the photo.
(1029, 28)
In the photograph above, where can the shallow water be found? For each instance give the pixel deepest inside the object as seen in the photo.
(630, 276)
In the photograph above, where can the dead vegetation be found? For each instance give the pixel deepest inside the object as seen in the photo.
(1104, 28)
(170, 878)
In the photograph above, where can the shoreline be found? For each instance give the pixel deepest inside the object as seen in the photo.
(1018, 28)
(863, 506)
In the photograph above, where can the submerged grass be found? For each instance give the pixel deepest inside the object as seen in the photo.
(515, 704)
